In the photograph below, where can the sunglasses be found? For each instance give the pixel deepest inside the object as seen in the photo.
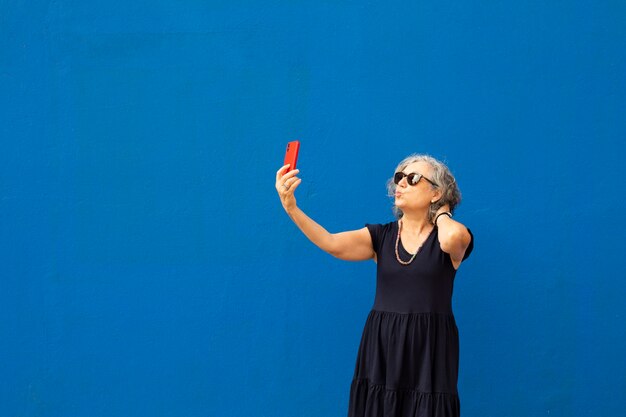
(412, 179)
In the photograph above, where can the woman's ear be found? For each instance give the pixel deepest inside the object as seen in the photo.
(436, 197)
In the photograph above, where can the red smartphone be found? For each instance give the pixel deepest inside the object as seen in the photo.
(291, 155)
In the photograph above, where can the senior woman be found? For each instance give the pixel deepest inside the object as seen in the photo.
(408, 359)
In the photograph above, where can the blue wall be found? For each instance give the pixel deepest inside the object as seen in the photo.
(148, 268)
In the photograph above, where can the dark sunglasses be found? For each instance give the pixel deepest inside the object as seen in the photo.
(413, 178)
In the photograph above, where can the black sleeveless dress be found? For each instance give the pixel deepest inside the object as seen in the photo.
(408, 359)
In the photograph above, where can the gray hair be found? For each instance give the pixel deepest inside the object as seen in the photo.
(441, 176)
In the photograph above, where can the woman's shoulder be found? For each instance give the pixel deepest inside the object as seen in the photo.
(381, 229)
(388, 225)
(381, 233)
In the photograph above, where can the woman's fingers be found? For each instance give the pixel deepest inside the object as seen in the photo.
(295, 185)
(288, 183)
(290, 174)
(280, 171)
(281, 178)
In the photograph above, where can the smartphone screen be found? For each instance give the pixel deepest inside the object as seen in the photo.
(291, 154)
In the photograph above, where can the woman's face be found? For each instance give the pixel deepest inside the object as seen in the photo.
(418, 196)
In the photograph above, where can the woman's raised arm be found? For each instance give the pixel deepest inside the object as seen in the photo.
(355, 245)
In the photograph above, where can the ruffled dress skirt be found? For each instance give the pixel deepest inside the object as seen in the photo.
(407, 366)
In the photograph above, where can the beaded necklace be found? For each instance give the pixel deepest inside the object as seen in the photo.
(398, 241)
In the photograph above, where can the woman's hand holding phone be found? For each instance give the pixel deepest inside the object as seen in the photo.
(286, 180)
(286, 184)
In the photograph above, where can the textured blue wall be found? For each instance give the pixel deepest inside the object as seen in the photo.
(148, 268)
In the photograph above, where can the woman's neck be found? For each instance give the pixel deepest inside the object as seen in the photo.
(415, 225)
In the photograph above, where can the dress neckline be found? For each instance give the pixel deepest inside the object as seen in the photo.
(432, 232)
